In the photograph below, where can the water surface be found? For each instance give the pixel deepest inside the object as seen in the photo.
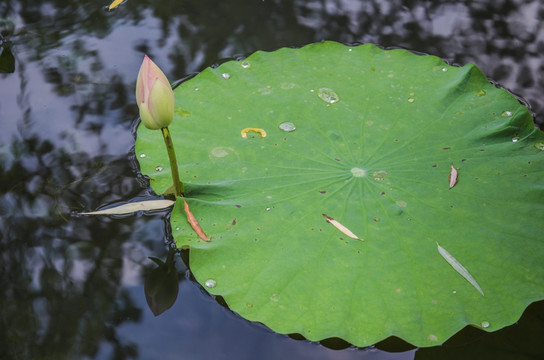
(73, 286)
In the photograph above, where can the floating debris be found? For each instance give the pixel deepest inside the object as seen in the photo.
(459, 268)
(341, 227)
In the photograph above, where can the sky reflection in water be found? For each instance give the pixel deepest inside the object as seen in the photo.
(73, 285)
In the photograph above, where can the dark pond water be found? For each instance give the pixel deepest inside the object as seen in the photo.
(72, 287)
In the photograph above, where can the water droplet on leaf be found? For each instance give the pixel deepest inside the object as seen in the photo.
(287, 86)
(287, 126)
(515, 139)
(264, 91)
(220, 151)
(210, 283)
(328, 95)
(485, 324)
(539, 145)
(143, 155)
(379, 175)
(506, 114)
(481, 92)
(245, 64)
(225, 76)
(158, 168)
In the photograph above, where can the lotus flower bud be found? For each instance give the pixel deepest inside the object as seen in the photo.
(154, 96)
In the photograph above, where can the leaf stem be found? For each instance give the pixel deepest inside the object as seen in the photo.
(178, 185)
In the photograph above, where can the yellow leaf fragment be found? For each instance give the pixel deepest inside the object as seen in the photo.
(257, 130)
(453, 176)
(115, 4)
(341, 227)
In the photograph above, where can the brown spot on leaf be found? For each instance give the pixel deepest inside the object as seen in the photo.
(341, 227)
(194, 223)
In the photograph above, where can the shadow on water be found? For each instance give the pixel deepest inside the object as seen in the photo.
(73, 286)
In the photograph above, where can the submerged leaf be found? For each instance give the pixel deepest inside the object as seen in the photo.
(162, 285)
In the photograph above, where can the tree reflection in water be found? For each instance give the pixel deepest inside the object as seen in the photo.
(67, 111)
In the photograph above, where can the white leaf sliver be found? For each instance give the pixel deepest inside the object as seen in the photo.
(341, 227)
(133, 207)
(459, 268)
(453, 176)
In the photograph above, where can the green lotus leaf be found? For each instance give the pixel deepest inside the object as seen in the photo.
(323, 176)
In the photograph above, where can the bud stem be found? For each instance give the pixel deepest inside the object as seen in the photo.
(178, 185)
